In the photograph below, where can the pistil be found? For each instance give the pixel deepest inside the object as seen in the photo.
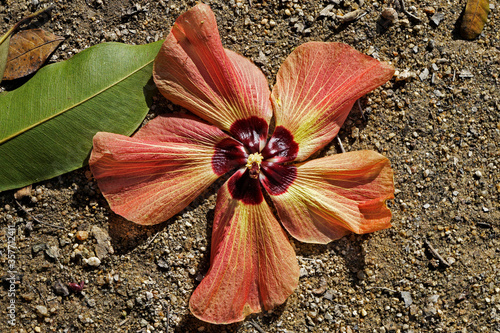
(253, 164)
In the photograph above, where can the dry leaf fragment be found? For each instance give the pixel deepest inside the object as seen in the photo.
(474, 18)
(28, 50)
(351, 16)
(23, 192)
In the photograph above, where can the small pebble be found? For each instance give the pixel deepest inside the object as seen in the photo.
(437, 18)
(41, 311)
(52, 252)
(429, 10)
(406, 296)
(91, 302)
(82, 235)
(433, 299)
(404, 23)
(60, 289)
(38, 247)
(328, 295)
(390, 14)
(424, 74)
(327, 11)
(162, 264)
(93, 261)
(110, 36)
(431, 44)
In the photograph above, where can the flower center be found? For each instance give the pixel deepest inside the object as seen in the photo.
(253, 164)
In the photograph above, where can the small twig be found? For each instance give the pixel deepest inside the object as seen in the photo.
(124, 321)
(152, 239)
(406, 12)
(306, 259)
(382, 288)
(412, 16)
(340, 144)
(168, 316)
(352, 16)
(257, 327)
(435, 254)
(37, 220)
(41, 296)
(358, 103)
(362, 15)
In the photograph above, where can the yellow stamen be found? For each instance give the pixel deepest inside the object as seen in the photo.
(255, 157)
(253, 164)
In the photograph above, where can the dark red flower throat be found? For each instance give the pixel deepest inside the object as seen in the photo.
(269, 168)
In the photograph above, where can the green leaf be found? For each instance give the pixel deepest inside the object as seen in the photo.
(47, 125)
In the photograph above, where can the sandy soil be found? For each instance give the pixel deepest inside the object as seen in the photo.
(438, 121)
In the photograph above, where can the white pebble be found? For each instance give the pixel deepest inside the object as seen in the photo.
(93, 261)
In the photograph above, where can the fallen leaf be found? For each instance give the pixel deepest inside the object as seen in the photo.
(28, 51)
(5, 39)
(4, 51)
(47, 125)
(474, 18)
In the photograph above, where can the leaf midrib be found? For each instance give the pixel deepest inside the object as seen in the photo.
(26, 129)
(35, 48)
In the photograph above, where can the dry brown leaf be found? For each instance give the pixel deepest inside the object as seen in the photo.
(23, 192)
(474, 18)
(5, 39)
(28, 51)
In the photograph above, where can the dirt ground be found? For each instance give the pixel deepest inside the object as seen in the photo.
(438, 121)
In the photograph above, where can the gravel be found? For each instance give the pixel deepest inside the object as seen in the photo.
(438, 121)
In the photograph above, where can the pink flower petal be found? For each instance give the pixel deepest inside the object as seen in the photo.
(316, 88)
(193, 70)
(155, 174)
(336, 195)
(252, 265)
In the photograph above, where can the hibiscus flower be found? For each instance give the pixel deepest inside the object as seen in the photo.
(153, 175)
